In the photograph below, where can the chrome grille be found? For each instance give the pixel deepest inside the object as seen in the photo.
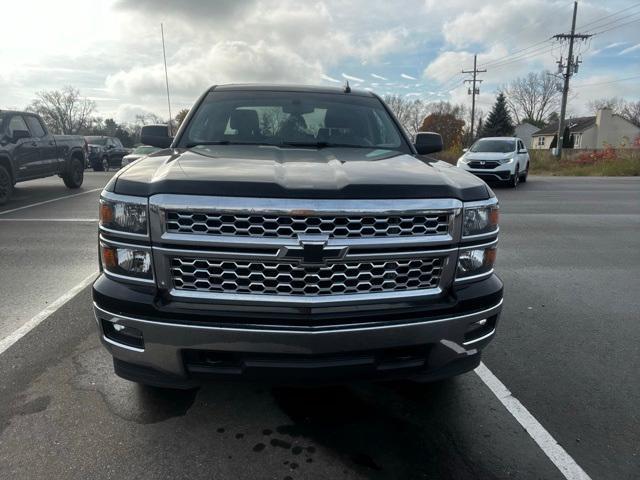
(277, 278)
(288, 226)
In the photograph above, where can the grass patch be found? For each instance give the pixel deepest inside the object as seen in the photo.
(599, 163)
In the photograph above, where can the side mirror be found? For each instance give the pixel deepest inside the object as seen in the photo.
(522, 150)
(428, 142)
(20, 134)
(156, 136)
(465, 150)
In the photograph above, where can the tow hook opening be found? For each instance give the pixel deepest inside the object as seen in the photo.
(123, 334)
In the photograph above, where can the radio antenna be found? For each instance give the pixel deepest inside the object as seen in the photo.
(166, 79)
(347, 88)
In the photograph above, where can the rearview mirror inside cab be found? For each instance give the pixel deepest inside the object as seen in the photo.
(428, 142)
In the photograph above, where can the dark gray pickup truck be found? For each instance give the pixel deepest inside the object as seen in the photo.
(29, 151)
(295, 233)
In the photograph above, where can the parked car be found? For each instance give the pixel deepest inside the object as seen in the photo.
(504, 159)
(294, 233)
(29, 151)
(137, 153)
(105, 152)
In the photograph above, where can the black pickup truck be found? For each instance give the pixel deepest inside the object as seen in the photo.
(294, 233)
(29, 151)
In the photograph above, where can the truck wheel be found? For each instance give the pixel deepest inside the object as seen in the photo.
(523, 177)
(6, 185)
(515, 179)
(105, 164)
(74, 175)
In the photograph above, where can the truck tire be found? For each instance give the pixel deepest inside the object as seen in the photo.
(74, 175)
(6, 185)
(515, 178)
(523, 177)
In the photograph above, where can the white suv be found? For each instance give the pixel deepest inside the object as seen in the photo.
(497, 158)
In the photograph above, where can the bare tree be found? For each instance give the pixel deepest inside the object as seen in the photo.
(631, 111)
(614, 103)
(627, 110)
(410, 112)
(533, 97)
(64, 111)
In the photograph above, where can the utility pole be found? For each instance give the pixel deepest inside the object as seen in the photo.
(473, 91)
(571, 68)
(166, 79)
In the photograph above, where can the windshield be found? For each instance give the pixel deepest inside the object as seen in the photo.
(96, 140)
(494, 146)
(144, 150)
(293, 119)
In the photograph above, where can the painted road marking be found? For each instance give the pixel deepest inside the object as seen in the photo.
(16, 335)
(552, 449)
(49, 201)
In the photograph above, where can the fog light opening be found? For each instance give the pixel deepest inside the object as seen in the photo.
(123, 334)
(480, 328)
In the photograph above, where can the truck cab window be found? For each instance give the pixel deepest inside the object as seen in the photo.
(35, 127)
(16, 123)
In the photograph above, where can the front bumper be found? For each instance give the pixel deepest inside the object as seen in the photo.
(500, 173)
(178, 351)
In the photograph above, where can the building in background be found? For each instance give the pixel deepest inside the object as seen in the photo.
(592, 133)
(524, 131)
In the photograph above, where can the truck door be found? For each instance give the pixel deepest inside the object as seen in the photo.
(27, 151)
(46, 144)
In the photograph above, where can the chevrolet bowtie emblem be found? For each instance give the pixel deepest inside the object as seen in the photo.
(312, 251)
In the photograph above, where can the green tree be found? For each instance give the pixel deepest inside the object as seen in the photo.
(499, 122)
(180, 116)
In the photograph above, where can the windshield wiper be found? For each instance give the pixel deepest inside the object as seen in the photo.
(321, 145)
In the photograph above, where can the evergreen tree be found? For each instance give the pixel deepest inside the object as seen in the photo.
(499, 123)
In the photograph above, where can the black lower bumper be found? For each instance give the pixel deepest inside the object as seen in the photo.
(160, 343)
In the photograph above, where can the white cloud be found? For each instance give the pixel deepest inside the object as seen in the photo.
(408, 77)
(329, 79)
(630, 49)
(351, 77)
(379, 77)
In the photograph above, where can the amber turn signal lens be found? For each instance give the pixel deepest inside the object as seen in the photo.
(494, 216)
(109, 257)
(106, 214)
(490, 256)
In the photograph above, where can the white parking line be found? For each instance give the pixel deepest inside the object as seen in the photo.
(552, 449)
(49, 201)
(16, 335)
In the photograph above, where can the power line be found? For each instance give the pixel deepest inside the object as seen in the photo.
(608, 16)
(616, 26)
(514, 53)
(617, 20)
(606, 83)
(532, 54)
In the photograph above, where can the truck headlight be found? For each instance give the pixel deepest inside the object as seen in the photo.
(476, 261)
(124, 214)
(126, 261)
(506, 161)
(480, 219)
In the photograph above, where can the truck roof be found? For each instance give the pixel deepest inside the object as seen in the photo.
(289, 88)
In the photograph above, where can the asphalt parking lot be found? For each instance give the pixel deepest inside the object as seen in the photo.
(567, 349)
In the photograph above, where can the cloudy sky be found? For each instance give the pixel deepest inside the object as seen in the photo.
(111, 49)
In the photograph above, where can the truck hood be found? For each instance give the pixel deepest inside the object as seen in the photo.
(266, 171)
